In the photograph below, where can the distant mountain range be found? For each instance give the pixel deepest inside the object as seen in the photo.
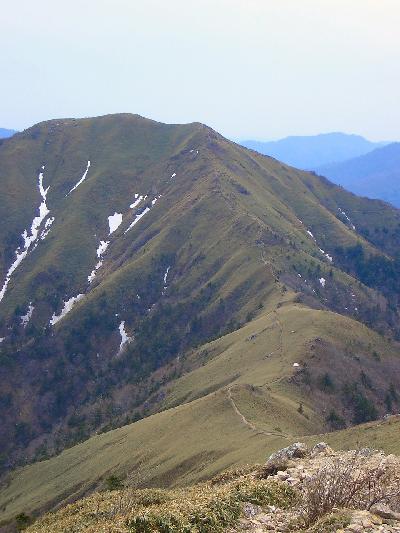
(366, 168)
(375, 175)
(310, 152)
(4, 133)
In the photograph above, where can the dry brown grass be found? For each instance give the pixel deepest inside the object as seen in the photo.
(205, 508)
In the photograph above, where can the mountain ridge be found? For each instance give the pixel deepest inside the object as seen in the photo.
(221, 270)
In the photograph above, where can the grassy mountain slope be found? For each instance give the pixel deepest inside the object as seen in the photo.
(309, 152)
(252, 497)
(241, 404)
(229, 268)
(202, 453)
(263, 352)
(375, 175)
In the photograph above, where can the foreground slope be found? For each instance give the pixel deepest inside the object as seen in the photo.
(241, 404)
(298, 489)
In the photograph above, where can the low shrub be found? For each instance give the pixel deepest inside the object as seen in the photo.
(210, 508)
(331, 523)
(352, 481)
(22, 521)
(114, 482)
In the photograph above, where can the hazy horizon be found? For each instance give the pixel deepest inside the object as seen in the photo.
(236, 139)
(249, 69)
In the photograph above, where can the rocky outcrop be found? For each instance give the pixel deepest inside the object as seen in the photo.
(366, 478)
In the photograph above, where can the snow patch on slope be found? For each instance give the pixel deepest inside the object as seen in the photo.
(137, 218)
(102, 248)
(68, 305)
(125, 339)
(166, 275)
(137, 201)
(47, 226)
(26, 318)
(142, 213)
(165, 280)
(329, 257)
(114, 221)
(322, 281)
(347, 218)
(30, 239)
(81, 180)
(99, 252)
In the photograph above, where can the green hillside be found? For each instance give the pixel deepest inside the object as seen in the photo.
(239, 406)
(174, 283)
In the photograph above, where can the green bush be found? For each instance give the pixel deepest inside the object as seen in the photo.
(326, 383)
(335, 420)
(22, 521)
(114, 482)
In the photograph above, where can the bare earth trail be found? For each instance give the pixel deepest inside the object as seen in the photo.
(279, 350)
(249, 424)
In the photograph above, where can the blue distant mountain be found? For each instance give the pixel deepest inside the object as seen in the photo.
(311, 152)
(4, 133)
(375, 175)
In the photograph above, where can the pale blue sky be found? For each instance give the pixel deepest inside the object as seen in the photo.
(249, 68)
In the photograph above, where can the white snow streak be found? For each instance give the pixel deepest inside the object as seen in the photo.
(166, 275)
(47, 226)
(125, 339)
(49, 222)
(137, 201)
(137, 218)
(68, 305)
(25, 318)
(329, 257)
(81, 180)
(99, 252)
(165, 280)
(311, 235)
(102, 248)
(322, 281)
(114, 221)
(31, 238)
(173, 176)
(92, 275)
(347, 218)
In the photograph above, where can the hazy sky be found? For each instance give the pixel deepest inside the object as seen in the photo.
(248, 68)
